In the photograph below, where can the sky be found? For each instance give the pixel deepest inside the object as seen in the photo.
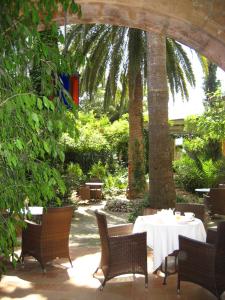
(181, 108)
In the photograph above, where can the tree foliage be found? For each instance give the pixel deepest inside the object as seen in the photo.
(211, 83)
(31, 124)
(99, 141)
(107, 51)
(203, 163)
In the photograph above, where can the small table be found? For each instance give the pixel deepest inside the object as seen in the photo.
(163, 232)
(203, 190)
(95, 189)
(94, 184)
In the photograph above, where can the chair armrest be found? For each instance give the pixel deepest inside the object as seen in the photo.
(30, 223)
(195, 255)
(122, 229)
(32, 229)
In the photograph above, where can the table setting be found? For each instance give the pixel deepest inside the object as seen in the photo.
(163, 229)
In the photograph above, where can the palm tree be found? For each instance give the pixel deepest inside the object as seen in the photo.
(161, 184)
(116, 58)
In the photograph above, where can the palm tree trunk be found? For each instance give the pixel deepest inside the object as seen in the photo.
(162, 189)
(136, 156)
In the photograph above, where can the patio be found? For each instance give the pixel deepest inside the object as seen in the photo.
(63, 282)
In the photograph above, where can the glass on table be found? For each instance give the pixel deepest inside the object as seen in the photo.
(177, 215)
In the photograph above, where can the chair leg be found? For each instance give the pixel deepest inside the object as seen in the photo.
(178, 284)
(102, 285)
(70, 262)
(146, 281)
(21, 258)
(42, 266)
(95, 272)
(166, 273)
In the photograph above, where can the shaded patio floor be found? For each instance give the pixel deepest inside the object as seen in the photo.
(61, 282)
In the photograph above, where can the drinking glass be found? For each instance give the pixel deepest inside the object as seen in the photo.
(177, 215)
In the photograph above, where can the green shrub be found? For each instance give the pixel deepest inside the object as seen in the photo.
(188, 175)
(98, 170)
(115, 183)
(75, 174)
(118, 205)
(73, 178)
(188, 198)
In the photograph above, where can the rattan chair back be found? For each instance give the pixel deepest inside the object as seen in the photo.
(215, 201)
(104, 237)
(121, 254)
(50, 239)
(203, 263)
(197, 209)
(56, 222)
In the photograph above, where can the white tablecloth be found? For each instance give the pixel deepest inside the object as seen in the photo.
(203, 190)
(163, 232)
(34, 210)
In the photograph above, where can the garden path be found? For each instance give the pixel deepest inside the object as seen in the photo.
(84, 230)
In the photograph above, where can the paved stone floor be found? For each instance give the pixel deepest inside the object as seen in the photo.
(61, 282)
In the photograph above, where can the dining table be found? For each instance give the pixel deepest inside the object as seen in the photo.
(163, 233)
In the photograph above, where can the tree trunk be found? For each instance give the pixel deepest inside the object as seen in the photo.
(136, 156)
(161, 184)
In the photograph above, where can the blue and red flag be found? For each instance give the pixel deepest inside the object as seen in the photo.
(71, 85)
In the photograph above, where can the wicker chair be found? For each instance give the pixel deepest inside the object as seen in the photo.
(197, 209)
(121, 254)
(50, 239)
(215, 201)
(203, 263)
(170, 265)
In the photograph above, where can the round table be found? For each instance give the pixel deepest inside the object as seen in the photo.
(163, 231)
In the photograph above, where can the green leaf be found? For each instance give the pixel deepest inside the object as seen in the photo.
(39, 104)
(74, 7)
(35, 117)
(19, 144)
(61, 156)
(47, 147)
(61, 39)
(50, 126)
(46, 102)
(51, 105)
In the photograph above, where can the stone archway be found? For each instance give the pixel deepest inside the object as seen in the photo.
(199, 24)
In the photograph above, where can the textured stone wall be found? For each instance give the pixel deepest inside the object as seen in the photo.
(199, 24)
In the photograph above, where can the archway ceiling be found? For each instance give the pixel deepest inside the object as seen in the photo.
(200, 24)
